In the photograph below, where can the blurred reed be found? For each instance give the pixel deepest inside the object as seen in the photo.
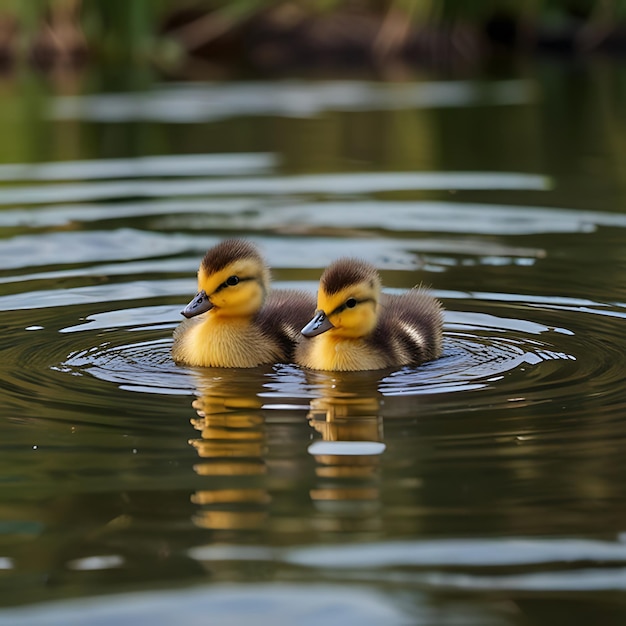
(169, 32)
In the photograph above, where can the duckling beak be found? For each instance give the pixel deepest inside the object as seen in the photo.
(200, 304)
(318, 325)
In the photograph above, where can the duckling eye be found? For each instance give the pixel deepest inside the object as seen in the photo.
(232, 280)
(350, 303)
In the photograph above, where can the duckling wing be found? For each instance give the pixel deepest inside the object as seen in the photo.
(283, 315)
(411, 324)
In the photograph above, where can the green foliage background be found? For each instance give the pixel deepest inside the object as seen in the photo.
(133, 30)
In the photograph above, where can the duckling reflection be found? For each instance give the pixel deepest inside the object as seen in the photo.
(232, 447)
(348, 455)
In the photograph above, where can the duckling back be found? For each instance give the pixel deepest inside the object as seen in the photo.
(283, 316)
(410, 328)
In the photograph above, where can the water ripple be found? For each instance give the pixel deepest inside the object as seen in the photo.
(144, 366)
(185, 104)
(476, 355)
(561, 564)
(466, 552)
(184, 165)
(325, 184)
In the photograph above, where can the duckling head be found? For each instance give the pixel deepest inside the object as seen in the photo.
(347, 300)
(233, 281)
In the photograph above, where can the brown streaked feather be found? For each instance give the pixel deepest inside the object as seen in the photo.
(346, 272)
(228, 251)
(409, 328)
(282, 317)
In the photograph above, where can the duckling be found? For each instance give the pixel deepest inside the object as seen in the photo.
(356, 327)
(234, 320)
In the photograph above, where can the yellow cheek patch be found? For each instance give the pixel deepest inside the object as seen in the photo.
(329, 303)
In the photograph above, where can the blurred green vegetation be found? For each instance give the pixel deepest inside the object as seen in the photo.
(167, 32)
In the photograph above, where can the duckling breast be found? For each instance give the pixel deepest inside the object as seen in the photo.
(215, 343)
(339, 354)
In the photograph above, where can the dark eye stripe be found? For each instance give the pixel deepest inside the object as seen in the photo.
(229, 282)
(344, 306)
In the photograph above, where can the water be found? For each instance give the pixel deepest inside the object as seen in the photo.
(486, 487)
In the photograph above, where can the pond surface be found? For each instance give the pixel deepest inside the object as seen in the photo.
(487, 487)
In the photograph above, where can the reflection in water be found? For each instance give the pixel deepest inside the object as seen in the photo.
(348, 457)
(232, 447)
